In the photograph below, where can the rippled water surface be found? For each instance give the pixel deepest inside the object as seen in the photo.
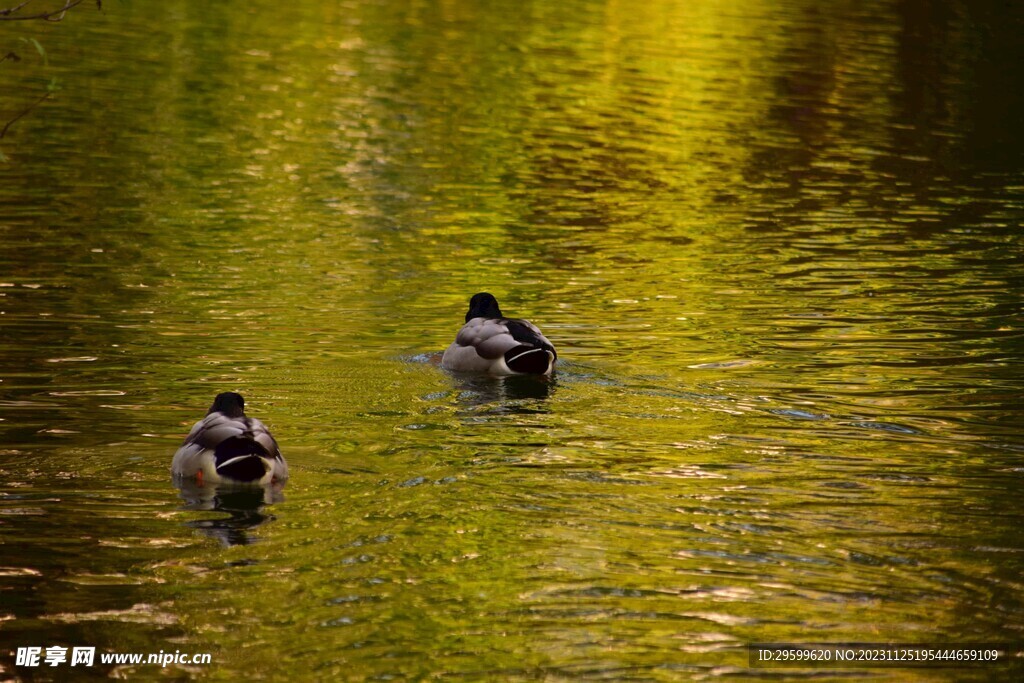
(778, 246)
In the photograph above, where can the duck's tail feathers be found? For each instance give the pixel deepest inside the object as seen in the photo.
(528, 360)
(241, 459)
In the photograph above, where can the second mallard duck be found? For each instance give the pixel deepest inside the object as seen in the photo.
(227, 447)
(490, 342)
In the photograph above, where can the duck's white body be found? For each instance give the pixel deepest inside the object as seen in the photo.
(229, 448)
(489, 342)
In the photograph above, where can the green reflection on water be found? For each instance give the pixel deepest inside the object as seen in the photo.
(778, 248)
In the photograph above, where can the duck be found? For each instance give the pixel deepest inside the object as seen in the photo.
(489, 342)
(227, 447)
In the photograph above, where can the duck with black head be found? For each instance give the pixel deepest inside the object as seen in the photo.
(490, 342)
(227, 447)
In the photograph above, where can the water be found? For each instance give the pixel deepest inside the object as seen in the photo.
(777, 245)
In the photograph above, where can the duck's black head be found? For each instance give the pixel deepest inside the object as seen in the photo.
(483, 305)
(229, 403)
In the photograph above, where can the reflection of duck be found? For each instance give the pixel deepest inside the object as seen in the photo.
(513, 394)
(243, 505)
(490, 342)
(228, 447)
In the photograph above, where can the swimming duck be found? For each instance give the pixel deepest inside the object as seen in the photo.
(490, 342)
(226, 447)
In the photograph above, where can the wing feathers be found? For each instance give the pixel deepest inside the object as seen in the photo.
(216, 428)
(493, 344)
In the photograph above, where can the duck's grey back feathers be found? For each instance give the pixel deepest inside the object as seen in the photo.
(218, 427)
(501, 346)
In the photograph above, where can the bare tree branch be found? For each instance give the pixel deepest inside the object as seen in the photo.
(13, 14)
(32, 106)
(10, 14)
(11, 10)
